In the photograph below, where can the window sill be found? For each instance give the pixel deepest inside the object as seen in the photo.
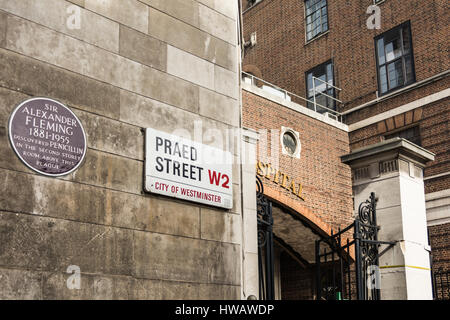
(400, 91)
(318, 37)
(395, 90)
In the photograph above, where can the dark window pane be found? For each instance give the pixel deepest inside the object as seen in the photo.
(322, 101)
(406, 41)
(330, 102)
(310, 85)
(289, 142)
(383, 79)
(395, 74)
(322, 85)
(330, 73)
(409, 70)
(381, 57)
(393, 49)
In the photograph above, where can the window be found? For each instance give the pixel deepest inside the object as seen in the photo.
(395, 59)
(251, 3)
(410, 134)
(323, 84)
(290, 142)
(316, 18)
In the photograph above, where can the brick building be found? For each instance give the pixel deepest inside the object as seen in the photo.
(390, 63)
(310, 189)
(121, 67)
(156, 95)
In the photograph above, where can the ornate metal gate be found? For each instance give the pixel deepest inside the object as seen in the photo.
(337, 278)
(265, 244)
(441, 284)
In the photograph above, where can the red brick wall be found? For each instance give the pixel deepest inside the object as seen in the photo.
(440, 246)
(297, 283)
(435, 137)
(440, 252)
(327, 186)
(283, 56)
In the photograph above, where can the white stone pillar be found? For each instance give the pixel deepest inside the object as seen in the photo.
(393, 169)
(250, 285)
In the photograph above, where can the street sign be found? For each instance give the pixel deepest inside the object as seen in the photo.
(188, 170)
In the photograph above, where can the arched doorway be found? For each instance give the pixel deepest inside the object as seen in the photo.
(300, 260)
(287, 234)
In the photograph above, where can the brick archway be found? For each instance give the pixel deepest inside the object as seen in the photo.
(315, 223)
(303, 213)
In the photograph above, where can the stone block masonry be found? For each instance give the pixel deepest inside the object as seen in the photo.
(130, 65)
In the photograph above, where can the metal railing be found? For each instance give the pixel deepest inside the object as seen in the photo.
(333, 114)
(324, 94)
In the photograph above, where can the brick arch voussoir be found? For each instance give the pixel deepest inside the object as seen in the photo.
(306, 214)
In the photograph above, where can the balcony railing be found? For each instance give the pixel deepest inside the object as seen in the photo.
(289, 96)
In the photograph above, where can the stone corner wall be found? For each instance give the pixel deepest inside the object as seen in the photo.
(120, 67)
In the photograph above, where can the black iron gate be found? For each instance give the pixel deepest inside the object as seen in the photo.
(265, 244)
(441, 284)
(337, 277)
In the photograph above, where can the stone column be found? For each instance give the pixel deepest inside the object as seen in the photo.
(393, 169)
(250, 286)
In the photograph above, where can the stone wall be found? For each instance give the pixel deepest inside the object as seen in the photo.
(130, 65)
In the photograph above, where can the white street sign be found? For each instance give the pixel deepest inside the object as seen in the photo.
(188, 170)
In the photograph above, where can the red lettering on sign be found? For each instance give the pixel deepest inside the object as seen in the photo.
(227, 180)
(214, 178)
